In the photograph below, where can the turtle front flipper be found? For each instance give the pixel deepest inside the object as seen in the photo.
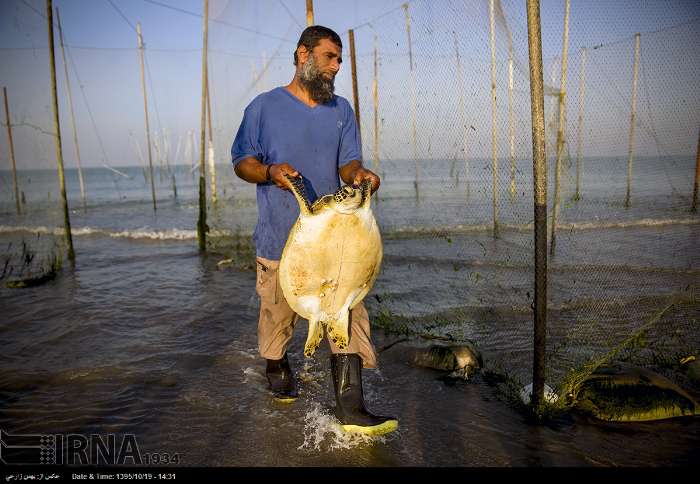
(296, 185)
(366, 191)
(314, 337)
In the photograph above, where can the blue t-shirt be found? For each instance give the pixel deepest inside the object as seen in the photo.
(279, 128)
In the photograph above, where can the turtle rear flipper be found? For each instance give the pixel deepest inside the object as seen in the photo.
(338, 329)
(314, 338)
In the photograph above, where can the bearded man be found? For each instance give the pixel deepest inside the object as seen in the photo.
(304, 129)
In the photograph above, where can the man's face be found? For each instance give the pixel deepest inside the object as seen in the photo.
(317, 73)
(327, 58)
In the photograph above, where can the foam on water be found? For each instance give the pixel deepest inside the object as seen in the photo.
(141, 233)
(255, 378)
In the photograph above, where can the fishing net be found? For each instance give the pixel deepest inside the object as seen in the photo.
(444, 111)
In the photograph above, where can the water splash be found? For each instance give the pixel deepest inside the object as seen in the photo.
(256, 379)
(322, 431)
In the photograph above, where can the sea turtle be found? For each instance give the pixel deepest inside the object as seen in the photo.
(629, 393)
(460, 360)
(331, 259)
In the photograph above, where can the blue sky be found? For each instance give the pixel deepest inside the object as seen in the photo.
(245, 35)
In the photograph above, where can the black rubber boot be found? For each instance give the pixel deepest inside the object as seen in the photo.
(349, 399)
(282, 381)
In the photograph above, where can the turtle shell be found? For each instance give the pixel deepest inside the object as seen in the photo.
(628, 393)
(330, 261)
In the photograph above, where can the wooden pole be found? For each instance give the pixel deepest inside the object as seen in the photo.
(212, 158)
(560, 130)
(414, 136)
(309, 12)
(461, 113)
(12, 153)
(353, 69)
(579, 147)
(145, 112)
(694, 205)
(375, 99)
(540, 189)
(202, 221)
(57, 127)
(72, 114)
(494, 151)
(633, 120)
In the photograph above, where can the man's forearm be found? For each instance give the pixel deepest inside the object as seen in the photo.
(251, 170)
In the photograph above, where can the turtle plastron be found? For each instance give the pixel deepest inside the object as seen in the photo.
(330, 261)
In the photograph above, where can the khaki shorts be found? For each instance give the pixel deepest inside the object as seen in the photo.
(277, 320)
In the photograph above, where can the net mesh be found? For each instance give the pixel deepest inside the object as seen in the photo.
(456, 203)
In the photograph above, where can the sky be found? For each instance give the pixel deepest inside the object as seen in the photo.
(250, 51)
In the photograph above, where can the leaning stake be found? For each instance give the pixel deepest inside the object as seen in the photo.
(145, 110)
(560, 130)
(353, 68)
(11, 146)
(72, 115)
(57, 127)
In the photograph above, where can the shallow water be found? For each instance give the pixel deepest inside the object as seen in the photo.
(152, 339)
(145, 336)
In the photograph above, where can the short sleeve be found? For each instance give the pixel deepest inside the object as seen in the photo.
(247, 141)
(350, 147)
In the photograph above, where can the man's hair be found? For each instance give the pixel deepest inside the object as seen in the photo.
(311, 36)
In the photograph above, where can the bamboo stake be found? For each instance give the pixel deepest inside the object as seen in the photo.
(202, 227)
(511, 125)
(353, 69)
(72, 115)
(193, 160)
(494, 151)
(461, 113)
(632, 122)
(309, 12)
(414, 136)
(551, 124)
(212, 158)
(375, 98)
(694, 205)
(57, 127)
(540, 189)
(12, 153)
(145, 111)
(581, 94)
(171, 170)
(560, 131)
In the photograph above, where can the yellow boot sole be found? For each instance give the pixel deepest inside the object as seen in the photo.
(374, 430)
(285, 399)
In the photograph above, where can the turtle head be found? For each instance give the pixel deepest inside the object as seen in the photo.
(346, 199)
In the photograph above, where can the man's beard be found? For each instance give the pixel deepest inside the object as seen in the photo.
(320, 88)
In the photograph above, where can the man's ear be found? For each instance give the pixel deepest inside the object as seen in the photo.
(302, 54)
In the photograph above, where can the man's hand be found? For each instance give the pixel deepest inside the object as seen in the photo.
(362, 174)
(354, 173)
(278, 174)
